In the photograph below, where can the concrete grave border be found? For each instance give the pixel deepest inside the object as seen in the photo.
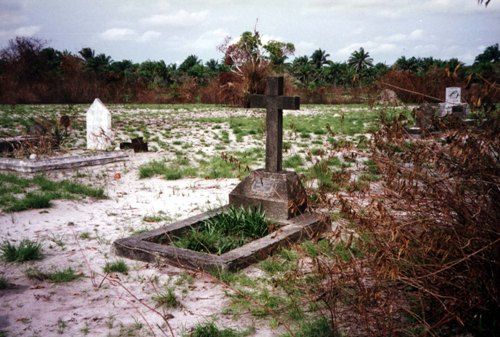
(145, 246)
(40, 165)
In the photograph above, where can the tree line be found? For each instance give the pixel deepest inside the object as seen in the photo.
(32, 72)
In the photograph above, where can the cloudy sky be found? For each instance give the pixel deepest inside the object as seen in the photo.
(171, 30)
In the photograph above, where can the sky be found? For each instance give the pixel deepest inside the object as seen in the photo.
(170, 30)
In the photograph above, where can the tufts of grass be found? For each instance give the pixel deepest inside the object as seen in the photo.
(225, 231)
(4, 284)
(27, 250)
(168, 171)
(57, 276)
(166, 299)
(118, 266)
(319, 327)
(293, 162)
(210, 329)
(39, 192)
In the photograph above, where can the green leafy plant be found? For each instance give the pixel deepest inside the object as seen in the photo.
(27, 250)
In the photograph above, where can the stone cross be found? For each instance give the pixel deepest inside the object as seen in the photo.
(274, 102)
(99, 135)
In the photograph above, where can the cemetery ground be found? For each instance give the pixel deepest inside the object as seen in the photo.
(198, 154)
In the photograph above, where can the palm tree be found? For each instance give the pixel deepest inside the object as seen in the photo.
(319, 58)
(360, 60)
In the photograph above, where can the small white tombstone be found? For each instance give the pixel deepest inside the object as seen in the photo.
(453, 102)
(99, 135)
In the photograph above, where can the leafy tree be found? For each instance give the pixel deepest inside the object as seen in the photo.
(360, 60)
(490, 55)
(279, 51)
(319, 58)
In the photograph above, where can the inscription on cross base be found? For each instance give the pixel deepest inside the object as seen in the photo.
(274, 102)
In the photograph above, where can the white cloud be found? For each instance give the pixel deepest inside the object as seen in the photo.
(149, 36)
(181, 18)
(118, 34)
(208, 40)
(27, 31)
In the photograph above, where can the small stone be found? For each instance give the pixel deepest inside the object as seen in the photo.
(32, 156)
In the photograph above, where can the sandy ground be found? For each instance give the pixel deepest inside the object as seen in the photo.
(79, 234)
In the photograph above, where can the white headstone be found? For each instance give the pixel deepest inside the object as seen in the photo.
(99, 135)
(453, 95)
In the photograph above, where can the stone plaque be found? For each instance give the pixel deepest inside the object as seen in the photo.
(453, 95)
(263, 186)
(99, 135)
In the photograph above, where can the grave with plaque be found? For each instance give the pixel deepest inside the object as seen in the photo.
(278, 193)
(453, 105)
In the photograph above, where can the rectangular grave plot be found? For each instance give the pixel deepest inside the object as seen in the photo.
(151, 246)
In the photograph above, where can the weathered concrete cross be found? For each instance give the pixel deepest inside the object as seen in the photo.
(274, 102)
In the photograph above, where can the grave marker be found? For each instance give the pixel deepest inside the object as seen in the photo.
(274, 102)
(279, 193)
(99, 135)
(453, 103)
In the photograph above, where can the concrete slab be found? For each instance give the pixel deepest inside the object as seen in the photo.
(153, 246)
(59, 163)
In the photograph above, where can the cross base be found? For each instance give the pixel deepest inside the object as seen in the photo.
(280, 194)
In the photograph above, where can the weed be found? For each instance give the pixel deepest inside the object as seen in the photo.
(57, 276)
(85, 236)
(319, 327)
(26, 251)
(39, 192)
(62, 276)
(293, 162)
(61, 325)
(118, 266)
(166, 299)
(4, 284)
(211, 330)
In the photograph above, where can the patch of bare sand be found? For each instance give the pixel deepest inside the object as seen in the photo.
(79, 234)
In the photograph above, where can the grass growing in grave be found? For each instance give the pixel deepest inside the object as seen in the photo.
(27, 250)
(225, 231)
(19, 194)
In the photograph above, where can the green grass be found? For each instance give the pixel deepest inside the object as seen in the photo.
(225, 231)
(118, 266)
(319, 327)
(169, 171)
(210, 329)
(27, 250)
(19, 194)
(57, 276)
(294, 162)
(4, 284)
(166, 299)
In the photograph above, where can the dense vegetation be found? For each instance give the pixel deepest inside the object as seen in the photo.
(31, 72)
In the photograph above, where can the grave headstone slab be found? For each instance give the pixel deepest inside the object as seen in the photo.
(99, 133)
